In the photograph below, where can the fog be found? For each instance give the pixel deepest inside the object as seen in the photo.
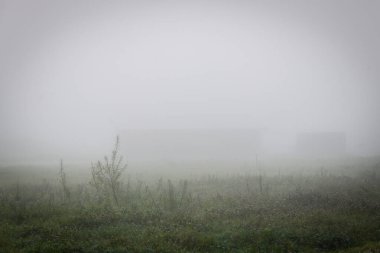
(74, 74)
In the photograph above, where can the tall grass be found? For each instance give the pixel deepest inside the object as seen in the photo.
(294, 212)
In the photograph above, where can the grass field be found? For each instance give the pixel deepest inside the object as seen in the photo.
(323, 210)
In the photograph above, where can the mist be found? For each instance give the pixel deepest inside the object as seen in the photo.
(74, 74)
(190, 126)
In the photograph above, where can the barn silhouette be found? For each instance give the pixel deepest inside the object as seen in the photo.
(191, 144)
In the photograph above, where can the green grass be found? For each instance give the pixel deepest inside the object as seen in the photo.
(214, 214)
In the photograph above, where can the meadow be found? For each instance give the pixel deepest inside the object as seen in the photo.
(335, 208)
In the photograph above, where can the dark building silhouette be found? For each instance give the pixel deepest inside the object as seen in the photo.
(191, 144)
(321, 143)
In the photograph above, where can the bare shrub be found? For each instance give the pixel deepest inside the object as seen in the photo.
(63, 182)
(106, 175)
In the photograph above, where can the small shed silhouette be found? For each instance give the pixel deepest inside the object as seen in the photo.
(321, 143)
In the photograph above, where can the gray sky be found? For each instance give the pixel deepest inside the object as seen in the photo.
(74, 73)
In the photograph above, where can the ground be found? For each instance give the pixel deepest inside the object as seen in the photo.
(250, 212)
